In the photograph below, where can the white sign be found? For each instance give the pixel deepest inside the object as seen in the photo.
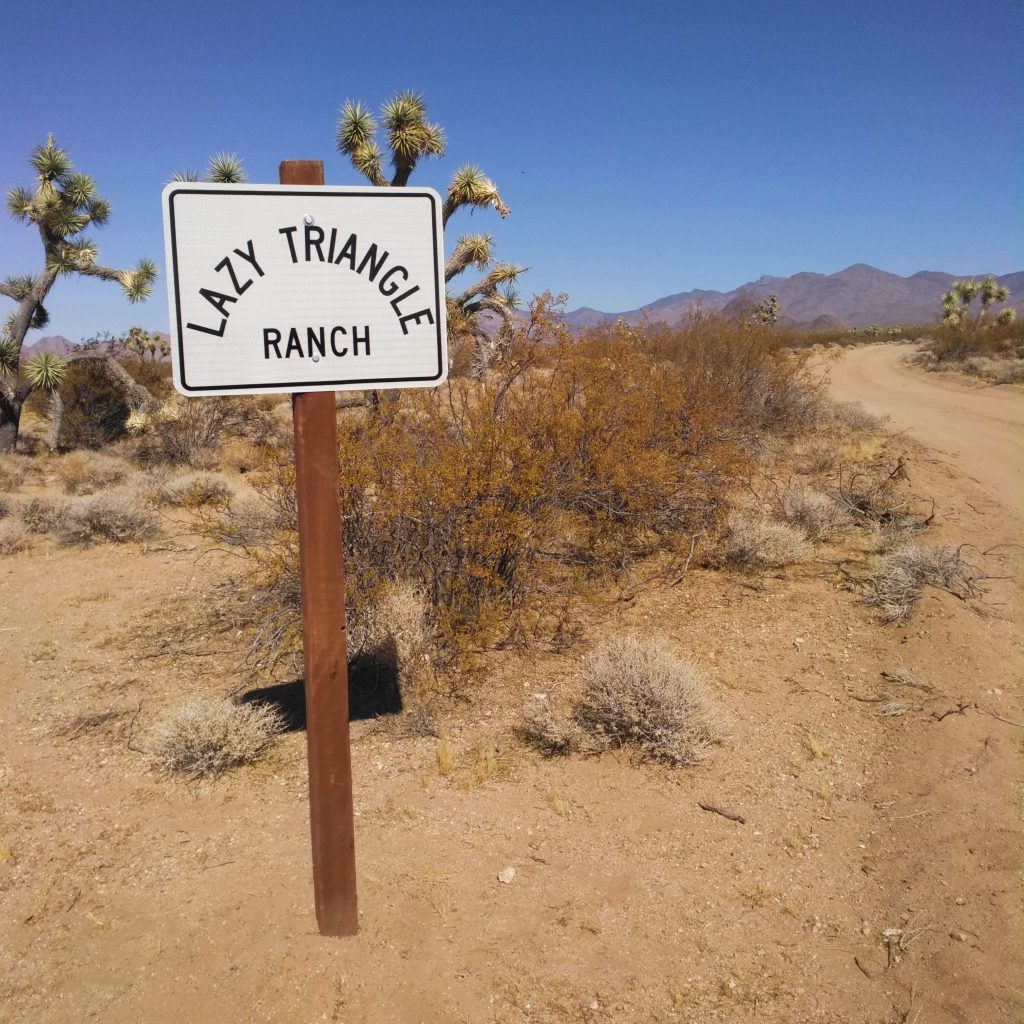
(277, 288)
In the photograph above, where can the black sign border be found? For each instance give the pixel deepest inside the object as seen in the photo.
(321, 385)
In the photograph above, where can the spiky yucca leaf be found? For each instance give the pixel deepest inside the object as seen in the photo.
(8, 357)
(61, 259)
(77, 254)
(138, 283)
(471, 187)
(185, 176)
(20, 284)
(50, 160)
(98, 211)
(404, 109)
(64, 222)
(1007, 316)
(470, 250)
(434, 141)
(225, 169)
(367, 161)
(356, 128)
(46, 371)
(80, 189)
(19, 203)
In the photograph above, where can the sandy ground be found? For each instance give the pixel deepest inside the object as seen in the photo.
(876, 877)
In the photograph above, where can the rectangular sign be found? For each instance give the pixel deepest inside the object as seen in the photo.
(276, 288)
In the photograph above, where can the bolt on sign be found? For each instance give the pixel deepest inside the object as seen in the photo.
(297, 288)
(306, 289)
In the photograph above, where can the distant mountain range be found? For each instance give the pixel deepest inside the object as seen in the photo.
(854, 297)
(62, 346)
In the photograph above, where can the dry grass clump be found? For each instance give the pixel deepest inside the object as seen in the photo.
(393, 636)
(13, 537)
(89, 472)
(638, 695)
(997, 371)
(14, 471)
(5, 507)
(820, 516)
(113, 517)
(899, 579)
(190, 490)
(855, 417)
(203, 739)
(42, 514)
(755, 541)
(817, 456)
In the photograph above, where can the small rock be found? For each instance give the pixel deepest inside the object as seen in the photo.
(960, 901)
(959, 936)
(506, 875)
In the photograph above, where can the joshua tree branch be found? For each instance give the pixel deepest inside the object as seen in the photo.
(104, 273)
(402, 173)
(6, 289)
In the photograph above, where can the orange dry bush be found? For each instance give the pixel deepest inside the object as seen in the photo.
(572, 459)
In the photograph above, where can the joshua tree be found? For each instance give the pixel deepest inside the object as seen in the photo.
(956, 304)
(767, 311)
(62, 205)
(141, 343)
(411, 138)
(224, 168)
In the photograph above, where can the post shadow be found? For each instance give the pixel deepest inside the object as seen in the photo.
(373, 690)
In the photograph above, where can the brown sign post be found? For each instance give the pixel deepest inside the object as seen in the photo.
(323, 628)
(306, 290)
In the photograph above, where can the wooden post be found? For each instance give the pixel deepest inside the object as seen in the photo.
(323, 630)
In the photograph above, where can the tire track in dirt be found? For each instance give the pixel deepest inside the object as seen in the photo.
(950, 860)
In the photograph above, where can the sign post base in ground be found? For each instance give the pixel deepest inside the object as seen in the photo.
(323, 624)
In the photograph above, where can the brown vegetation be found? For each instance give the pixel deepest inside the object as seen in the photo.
(575, 458)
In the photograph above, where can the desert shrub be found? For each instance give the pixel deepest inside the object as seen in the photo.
(95, 406)
(13, 536)
(572, 461)
(753, 540)
(899, 579)
(14, 471)
(817, 456)
(872, 499)
(855, 417)
(819, 515)
(42, 514)
(89, 472)
(192, 432)
(502, 498)
(1005, 370)
(206, 738)
(955, 343)
(190, 490)
(187, 432)
(5, 507)
(154, 375)
(636, 694)
(393, 637)
(114, 517)
(772, 386)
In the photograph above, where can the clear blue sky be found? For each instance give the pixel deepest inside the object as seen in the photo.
(645, 148)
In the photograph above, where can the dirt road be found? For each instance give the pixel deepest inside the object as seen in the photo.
(980, 426)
